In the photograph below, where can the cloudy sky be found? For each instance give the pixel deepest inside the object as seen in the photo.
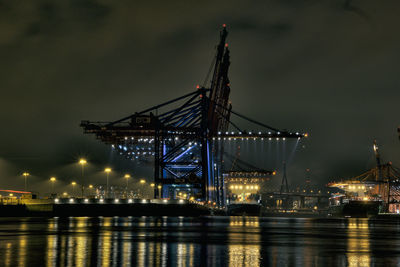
(328, 67)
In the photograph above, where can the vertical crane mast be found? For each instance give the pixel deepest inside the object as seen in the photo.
(284, 184)
(378, 160)
(220, 87)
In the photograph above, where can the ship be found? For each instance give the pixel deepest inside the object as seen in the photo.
(370, 194)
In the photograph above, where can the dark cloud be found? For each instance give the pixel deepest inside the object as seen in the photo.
(317, 66)
(349, 6)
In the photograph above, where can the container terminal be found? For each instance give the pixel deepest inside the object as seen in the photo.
(184, 138)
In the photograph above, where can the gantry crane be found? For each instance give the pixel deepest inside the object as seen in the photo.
(185, 135)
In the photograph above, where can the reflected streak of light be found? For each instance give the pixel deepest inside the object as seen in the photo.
(241, 250)
(70, 251)
(358, 246)
(127, 247)
(141, 260)
(62, 252)
(164, 254)
(22, 245)
(115, 248)
(191, 255)
(158, 251)
(81, 242)
(181, 254)
(105, 243)
(7, 257)
(52, 244)
(151, 254)
(141, 253)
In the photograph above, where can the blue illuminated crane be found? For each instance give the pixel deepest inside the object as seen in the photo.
(184, 135)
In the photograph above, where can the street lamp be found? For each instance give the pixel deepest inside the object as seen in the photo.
(107, 171)
(142, 182)
(91, 189)
(159, 190)
(82, 162)
(26, 174)
(52, 180)
(127, 176)
(152, 185)
(73, 188)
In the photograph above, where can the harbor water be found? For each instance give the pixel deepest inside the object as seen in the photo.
(198, 241)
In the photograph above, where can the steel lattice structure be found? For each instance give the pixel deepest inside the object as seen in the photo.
(185, 140)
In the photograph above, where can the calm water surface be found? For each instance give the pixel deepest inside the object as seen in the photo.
(211, 241)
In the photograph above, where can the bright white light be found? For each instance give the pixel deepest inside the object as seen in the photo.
(56, 200)
(129, 200)
(144, 201)
(165, 200)
(181, 201)
(101, 200)
(116, 200)
(71, 200)
(86, 200)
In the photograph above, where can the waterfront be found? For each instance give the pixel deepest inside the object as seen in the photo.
(202, 241)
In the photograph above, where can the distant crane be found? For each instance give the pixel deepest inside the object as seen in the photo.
(284, 184)
(378, 160)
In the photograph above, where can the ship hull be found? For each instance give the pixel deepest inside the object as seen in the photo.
(355, 208)
(244, 209)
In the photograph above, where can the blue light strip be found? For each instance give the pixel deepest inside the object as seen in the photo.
(183, 153)
(209, 174)
(181, 167)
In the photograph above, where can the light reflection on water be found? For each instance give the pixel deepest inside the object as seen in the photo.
(178, 241)
(244, 241)
(358, 250)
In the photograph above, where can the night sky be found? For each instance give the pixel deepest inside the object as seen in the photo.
(330, 68)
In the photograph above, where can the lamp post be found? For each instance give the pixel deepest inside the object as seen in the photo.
(142, 182)
(107, 171)
(52, 180)
(159, 190)
(127, 176)
(82, 162)
(73, 188)
(91, 188)
(152, 185)
(26, 174)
